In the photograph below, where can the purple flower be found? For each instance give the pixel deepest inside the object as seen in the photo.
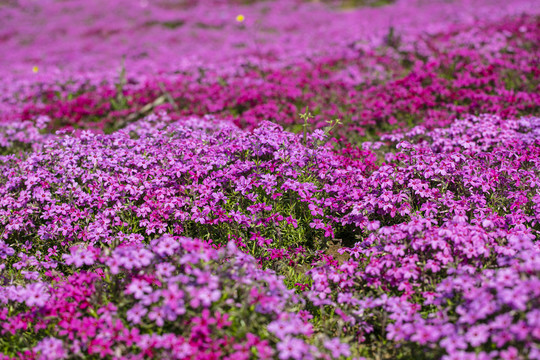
(337, 348)
(478, 335)
(157, 314)
(136, 313)
(51, 349)
(165, 269)
(292, 348)
(138, 287)
(282, 328)
(510, 354)
(204, 296)
(79, 256)
(166, 246)
(35, 294)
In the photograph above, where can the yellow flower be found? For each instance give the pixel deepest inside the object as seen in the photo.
(35, 69)
(240, 18)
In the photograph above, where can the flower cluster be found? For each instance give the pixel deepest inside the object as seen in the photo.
(322, 189)
(208, 303)
(397, 77)
(190, 178)
(459, 274)
(450, 216)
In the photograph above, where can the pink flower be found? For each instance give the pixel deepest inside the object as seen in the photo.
(204, 296)
(136, 313)
(166, 246)
(35, 294)
(79, 256)
(281, 328)
(337, 348)
(292, 348)
(510, 354)
(478, 335)
(50, 349)
(138, 287)
(157, 314)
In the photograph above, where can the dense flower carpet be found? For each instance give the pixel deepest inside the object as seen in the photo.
(271, 179)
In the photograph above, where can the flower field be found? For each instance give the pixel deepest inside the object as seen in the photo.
(270, 179)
